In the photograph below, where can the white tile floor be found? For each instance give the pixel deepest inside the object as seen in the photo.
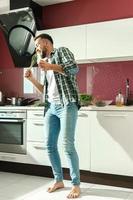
(25, 187)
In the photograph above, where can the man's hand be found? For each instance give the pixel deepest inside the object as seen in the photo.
(28, 74)
(44, 65)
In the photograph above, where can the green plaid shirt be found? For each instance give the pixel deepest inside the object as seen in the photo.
(66, 83)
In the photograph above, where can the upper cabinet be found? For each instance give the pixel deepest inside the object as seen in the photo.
(110, 40)
(73, 37)
(97, 42)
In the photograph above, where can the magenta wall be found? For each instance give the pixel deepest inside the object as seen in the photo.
(86, 11)
(5, 57)
(11, 78)
(106, 78)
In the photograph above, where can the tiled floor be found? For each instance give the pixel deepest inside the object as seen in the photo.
(24, 187)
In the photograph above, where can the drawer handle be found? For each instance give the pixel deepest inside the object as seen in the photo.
(39, 115)
(82, 115)
(39, 148)
(111, 115)
(38, 124)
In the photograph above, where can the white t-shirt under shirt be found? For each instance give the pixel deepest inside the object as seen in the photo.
(53, 94)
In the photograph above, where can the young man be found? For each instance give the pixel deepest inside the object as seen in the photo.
(61, 108)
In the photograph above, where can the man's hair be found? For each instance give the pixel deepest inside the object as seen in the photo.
(44, 36)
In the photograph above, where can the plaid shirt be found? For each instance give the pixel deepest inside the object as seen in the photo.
(66, 83)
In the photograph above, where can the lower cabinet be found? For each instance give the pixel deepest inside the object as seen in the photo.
(37, 153)
(82, 142)
(112, 142)
(36, 150)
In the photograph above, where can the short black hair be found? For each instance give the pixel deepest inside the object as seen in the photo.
(44, 36)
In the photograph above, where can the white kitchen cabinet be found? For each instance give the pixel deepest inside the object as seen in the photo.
(82, 142)
(97, 42)
(35, 126)
(36, 149)
(112, 142)
(110, 40)
(73, 37)
(83, 139)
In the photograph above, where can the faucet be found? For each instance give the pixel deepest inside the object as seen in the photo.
(127, 92)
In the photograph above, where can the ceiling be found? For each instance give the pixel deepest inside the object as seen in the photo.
(50, 2)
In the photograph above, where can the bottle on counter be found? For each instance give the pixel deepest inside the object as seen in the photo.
(127, 101)
(119, 101)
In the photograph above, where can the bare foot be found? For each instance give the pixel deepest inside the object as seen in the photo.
(55, 186)
(74, 193)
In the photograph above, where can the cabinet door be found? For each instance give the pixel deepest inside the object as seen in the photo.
(111, 142)
(37, 154)
(82, 142)
(73, 37)
(35, 130)
(110, 40)
(35, 126)
(35, 114)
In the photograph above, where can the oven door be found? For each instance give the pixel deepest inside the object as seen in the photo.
(13, 136)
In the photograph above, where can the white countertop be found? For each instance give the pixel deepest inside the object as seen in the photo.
(107, 108)
(88, 108)
(21, 108)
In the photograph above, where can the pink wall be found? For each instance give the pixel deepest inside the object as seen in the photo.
(86, 11)
(109, 77)
(11, 82)
(11, 78)
(6, 59)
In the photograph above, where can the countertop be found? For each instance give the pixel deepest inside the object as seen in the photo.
(21, 108)
(88, 108)
(107, 108)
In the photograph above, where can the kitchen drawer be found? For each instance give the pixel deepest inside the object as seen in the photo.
(37, 154)
(36, 114)
(35, 130)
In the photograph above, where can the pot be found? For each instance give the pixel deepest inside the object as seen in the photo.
(15, 101)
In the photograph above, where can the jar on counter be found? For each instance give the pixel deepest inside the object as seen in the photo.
(119, 100)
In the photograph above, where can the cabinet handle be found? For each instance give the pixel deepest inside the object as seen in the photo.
(39, 148)
(39, 115)
(82, 115)
(115, 115)
(38, 124)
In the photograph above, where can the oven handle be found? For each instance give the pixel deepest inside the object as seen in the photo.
(12, 120)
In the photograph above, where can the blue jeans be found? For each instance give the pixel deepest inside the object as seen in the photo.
(62, 119)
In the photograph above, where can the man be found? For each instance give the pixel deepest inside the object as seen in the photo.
(61, 107)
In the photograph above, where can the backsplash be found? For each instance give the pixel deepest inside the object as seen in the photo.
(100, 79)
(105, 79)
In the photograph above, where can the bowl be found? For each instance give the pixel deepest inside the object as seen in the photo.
(101, 103)
(108, 102)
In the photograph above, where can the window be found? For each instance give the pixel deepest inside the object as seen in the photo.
(28, 87)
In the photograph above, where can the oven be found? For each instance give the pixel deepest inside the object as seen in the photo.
(13, 131)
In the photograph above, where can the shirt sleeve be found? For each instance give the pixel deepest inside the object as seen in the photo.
(67, 61)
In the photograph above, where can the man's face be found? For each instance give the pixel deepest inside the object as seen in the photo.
(41, 47)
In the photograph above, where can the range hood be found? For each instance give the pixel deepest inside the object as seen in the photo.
(19, 27)
(36, 9)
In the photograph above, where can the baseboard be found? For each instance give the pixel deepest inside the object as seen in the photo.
(86, 176)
